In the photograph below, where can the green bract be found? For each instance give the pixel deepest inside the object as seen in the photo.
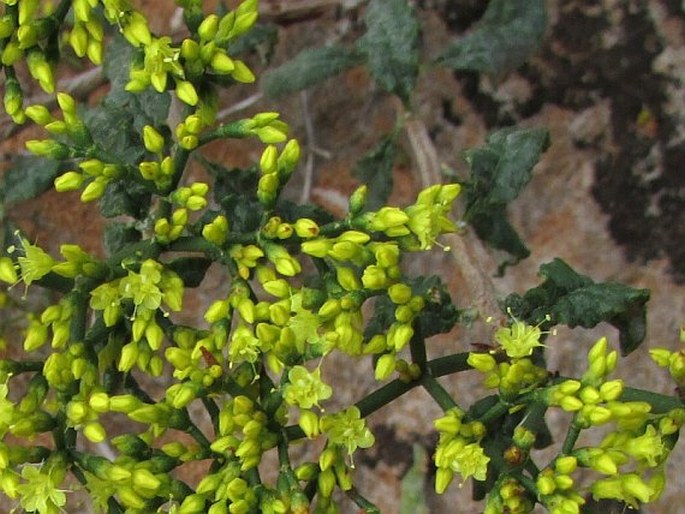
(114, 346)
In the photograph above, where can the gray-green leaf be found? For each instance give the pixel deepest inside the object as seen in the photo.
(308, 68)
(499, 171)
(390, 46)
(28, 178)
(509, 32)
(573, 299)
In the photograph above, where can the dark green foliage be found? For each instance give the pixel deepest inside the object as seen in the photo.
(390, 46)
(499, 171)
(191, 269)
(575, 300)
(28, 178)
(118, 235)
(375, 170)
(509, 32)
(123, 198)
(308, 68)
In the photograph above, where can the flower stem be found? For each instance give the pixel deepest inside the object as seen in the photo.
(450, 364)
(438, 393)
(571, 437)
(660, 403)
(365, 505)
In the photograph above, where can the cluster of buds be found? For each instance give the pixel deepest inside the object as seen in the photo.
(674, 361)
(557, 489)
(27, 30)
(161, 170)
(87, 34)
(516, 374)
(207, 53)
(195, 58)
(594, 399)
(510, 496)
(459, 450)
(418, 225)
(243, 433)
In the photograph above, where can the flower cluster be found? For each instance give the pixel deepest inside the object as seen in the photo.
(459, 450)
(111, 343)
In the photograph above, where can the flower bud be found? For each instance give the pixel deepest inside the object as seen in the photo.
(358, 200)
(566, 464)
(185, 91)
(8, 271)
(208, 28)
(39, 114)
(611, 390)
(221, 63)
(385, 366)
(317, 247)
(94, 190)
(153, 140)
(483, 362)
(399, 293)
(48, 148)
(570, 403)
(69, 181)
(309, 423)
(241, 73)
(94, 432)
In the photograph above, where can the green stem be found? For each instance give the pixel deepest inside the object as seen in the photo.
(212, 411)
(180, 161)
(335, 228)
(365, 505)
(383, 396)
(17, 367)
(193, 431)
(571, 437)
(448, 365)
(528, 484)
(417, 347)
(438, 393)
(495, 412)
(235, 130)
(283, 456)
(79, 302)
(660, 403)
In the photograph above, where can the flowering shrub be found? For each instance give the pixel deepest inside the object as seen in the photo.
(301, 285)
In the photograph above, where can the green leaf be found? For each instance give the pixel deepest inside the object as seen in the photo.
(113, 131)
(191, 269)
(390, 46)
(124, 198)
(499, 171)
(118, 235)
(28, 178)
(575, 300)
(308, 68)
(509, 32)
(375, 170)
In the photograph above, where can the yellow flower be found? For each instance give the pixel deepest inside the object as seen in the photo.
(35, 263)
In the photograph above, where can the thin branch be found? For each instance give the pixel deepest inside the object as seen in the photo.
(309, 164)
(240, 106)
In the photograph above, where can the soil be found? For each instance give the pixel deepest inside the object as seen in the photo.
(608, 196)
